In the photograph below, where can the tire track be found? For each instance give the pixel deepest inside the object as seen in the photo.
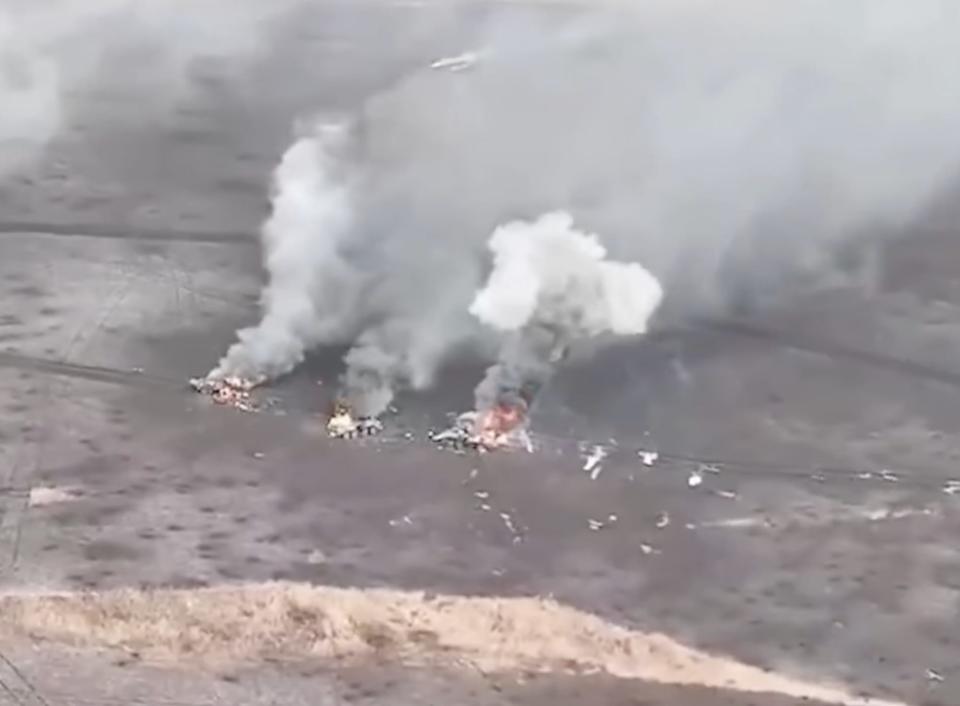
(95, 373)
(133, 233)
(902, 366)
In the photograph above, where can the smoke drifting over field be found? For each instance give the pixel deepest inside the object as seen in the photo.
(732, 150)
(728, 148)
(52, 48)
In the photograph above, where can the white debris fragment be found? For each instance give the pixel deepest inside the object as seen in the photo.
(510, 524)
(316, 557)
(597, 525)
(460, 62)
(663, 520)
(728, 494)
(934, 676)
(709, 468)
(648, 550)
(44, 495)
(694, 479)
(952, 487)
(866, 475)
(592, 463)
(649, 457)
(481, 494)
(525, 440)
(888, 476)
(259, 455)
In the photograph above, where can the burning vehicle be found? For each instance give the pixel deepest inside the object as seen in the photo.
(502, 201)
(344, 425)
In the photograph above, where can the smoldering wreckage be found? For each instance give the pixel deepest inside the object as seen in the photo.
(550, 286)
(509, 201)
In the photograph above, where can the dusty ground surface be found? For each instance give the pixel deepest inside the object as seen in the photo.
(821, 543)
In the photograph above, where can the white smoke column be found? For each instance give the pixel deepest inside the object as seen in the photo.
(552, 285)
(311, 290)
(30, 107)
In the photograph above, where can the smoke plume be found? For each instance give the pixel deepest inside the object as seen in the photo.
(550, 287)
(730, 148)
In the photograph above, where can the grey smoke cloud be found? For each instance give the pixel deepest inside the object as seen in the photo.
(52, 48)
(726, 147)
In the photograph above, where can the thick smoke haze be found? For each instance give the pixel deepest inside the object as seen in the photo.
(729, 148)
(733, 150)
(51, 48)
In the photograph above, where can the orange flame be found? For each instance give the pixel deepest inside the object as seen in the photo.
(494, 427)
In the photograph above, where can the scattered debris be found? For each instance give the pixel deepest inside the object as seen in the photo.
(597, 525)
(592, 463)
(647, 550)
(405, 520)
(512, 527)
(694, 479)
(952, 487)
(709, 468)
(461, 62)
(934, 676)
(259, 455)
(866, 475)
(728, 494)
(649, 457)
(481, 494)
(663, 520)
(232, 391)
(888, 476)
